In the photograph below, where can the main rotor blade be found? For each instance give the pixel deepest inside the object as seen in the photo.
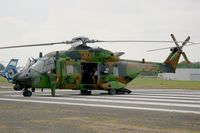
(139, 41)
(160, 49)
(185, 57)
(35, 45)
(174, 39)
(186, 40)
(192, 43)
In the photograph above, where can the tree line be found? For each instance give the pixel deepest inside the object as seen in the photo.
(2, 67)
(184, 64)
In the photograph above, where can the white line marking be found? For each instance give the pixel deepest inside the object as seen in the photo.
(164, 97)
(119, 101)
(143, 99)
(172, 92)
(2, 92)
(187, 92)
(154, 94)
(100, 105)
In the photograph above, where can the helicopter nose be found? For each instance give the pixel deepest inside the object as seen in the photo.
(22, 80)
(19, 78)
(15, 78)
(22, 77)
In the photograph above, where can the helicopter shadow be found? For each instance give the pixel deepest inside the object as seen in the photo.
(71, 95)
(77, 95)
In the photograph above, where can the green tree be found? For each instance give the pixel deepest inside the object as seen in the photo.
(184, 64)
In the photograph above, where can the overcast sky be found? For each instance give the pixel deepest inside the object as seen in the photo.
(42, 21)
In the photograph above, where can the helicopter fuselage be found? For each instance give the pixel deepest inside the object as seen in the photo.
(84, 68)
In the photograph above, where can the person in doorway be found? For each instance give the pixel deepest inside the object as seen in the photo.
(95, 76)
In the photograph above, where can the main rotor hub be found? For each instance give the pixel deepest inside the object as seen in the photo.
(81, 38)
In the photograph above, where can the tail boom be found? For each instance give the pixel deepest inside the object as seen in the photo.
(171, 62)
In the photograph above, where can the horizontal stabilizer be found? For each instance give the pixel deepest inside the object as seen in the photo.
(118, 54)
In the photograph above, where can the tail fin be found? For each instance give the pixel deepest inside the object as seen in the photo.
(10, 70)
(172, 60)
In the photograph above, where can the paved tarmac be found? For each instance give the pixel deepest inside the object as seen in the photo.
(143, 111)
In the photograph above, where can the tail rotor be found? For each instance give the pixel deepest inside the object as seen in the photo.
(180, 48)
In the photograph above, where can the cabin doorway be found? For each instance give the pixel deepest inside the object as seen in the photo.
(89, 73)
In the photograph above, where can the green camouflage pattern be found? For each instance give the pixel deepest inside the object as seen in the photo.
(70, 67)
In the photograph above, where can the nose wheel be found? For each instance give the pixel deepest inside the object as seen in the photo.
(27, 93)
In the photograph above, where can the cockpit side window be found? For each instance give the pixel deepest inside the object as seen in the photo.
(49, 65)
(38, 66)
(44, 65)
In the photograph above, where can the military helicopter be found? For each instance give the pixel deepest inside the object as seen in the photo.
(86, 68)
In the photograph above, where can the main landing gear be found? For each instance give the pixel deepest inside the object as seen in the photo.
(112, 91)
(27, 93)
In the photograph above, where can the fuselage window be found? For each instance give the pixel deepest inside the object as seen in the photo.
(115, 71)
(48, 65)
(70, 69)
(105, 69)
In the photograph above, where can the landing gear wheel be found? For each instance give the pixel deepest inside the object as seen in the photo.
(27, 93)
(85, 92)
(17, 87)
(112, 92)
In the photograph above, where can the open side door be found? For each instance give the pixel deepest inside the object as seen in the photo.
(90, 73)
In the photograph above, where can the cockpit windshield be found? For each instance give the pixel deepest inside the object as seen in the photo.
(29, 63)
(43, 65)
(38, 66)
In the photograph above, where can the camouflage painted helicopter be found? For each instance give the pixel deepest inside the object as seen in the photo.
(85, 68)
